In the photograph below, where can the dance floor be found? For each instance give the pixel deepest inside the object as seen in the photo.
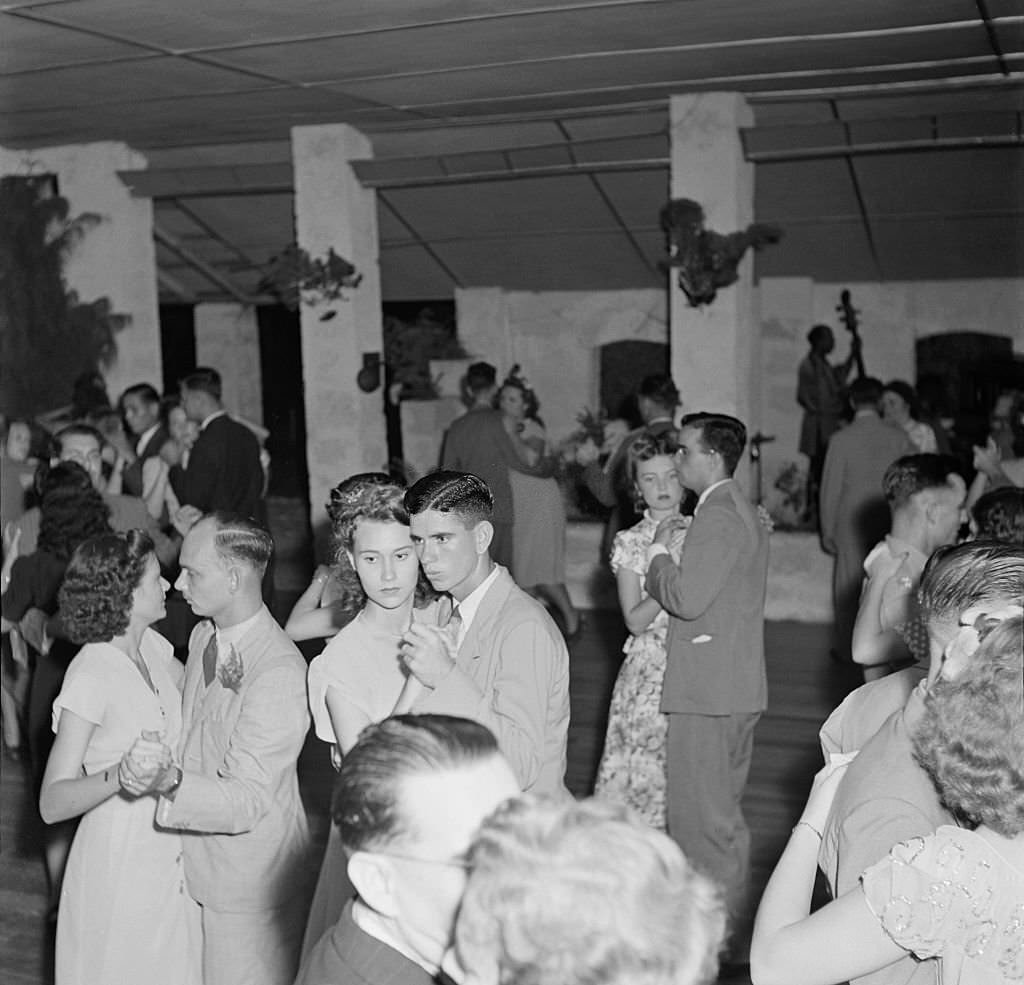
(804, 684)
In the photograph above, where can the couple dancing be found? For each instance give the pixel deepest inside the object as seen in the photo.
(189, 865)
(455, 637)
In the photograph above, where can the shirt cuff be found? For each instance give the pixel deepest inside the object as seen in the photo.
(656, 549)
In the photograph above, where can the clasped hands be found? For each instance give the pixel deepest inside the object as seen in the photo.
(671, 531)
(428, 653)
(146, 768)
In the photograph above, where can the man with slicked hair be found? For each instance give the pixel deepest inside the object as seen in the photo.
(232, 784)
(501, 660)
(885, 797)
(140, 405)
(409, 798)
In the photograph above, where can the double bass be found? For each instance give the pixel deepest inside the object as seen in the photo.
(848, 316)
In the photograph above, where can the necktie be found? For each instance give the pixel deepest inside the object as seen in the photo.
(210, 660)
(454, 624)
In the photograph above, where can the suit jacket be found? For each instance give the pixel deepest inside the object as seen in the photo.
(715, 600)
(247, 842)
(512, 675)
(131, 479)
(224, 470)
(477, 442)
(852, 503)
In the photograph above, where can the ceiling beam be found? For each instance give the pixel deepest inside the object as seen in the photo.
(171, 283)
(198, 264)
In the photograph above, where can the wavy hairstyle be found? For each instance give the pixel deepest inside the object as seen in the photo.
(516, 380)
(70, 509)
(971, 739)
(585, 892)
(367, 496)
(642, 449)
(96, 596)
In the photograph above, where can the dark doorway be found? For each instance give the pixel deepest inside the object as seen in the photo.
(177, 343)
(284, 413)
(623, 366)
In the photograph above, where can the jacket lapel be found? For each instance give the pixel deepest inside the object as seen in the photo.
(490, 604)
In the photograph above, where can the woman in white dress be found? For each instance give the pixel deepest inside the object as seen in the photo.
(125, 914)
(359, 678)
(900, 408)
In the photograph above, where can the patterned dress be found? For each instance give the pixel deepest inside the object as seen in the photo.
(632, 769)
(954, 897)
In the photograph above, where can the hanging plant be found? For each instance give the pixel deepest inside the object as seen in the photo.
(294, 277)
(707, 260)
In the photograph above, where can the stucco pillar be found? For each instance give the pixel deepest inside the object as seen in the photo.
(228, 339)
(345, 430)
(115, 258)
(714, 348)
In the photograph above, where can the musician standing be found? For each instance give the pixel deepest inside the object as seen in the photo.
(821, 392)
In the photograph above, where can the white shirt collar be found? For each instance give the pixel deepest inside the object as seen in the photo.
(234, 634)
(144, 438)
(213, 416)
(469, 605)
(710, 489)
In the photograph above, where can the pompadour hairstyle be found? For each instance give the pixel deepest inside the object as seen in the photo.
(971, 738)
(586, 892)
(480, 376)
(462, 493)
(204, 379)
(96, 596)
(912, 474)
(719, 433)
(241, 540)
(366, 804)
(957, 578)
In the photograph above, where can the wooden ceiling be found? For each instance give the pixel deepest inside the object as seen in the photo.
(523, 142)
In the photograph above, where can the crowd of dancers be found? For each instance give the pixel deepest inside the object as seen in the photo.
(177, 844)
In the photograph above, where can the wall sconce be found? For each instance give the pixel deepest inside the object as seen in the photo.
(368, 378)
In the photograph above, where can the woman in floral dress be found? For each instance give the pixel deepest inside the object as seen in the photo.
(632, 769)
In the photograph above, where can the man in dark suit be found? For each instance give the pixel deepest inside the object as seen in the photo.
(140, 405)
(224, 471)
(715, 687)
(477, 442)
(854, 513)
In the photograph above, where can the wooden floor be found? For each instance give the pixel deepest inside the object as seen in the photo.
(804, 685)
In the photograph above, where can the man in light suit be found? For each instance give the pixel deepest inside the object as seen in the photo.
(853, 511)
(235, 791)
(501, 661)
(140, 405)
(715, 687)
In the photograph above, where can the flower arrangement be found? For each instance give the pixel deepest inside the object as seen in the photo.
(294, 277)
(231, 670)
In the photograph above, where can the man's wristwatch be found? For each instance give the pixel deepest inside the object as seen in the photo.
(172, 790)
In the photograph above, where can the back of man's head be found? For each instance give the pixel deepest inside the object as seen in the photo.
(465, 495)
(719, 433)
(241, 541)
(572, 892)
(913, 474)
(999, 515)
(367, 795)
(659, 389)
(865, 393)
(480, 377)
(963, 577)
(204, 379)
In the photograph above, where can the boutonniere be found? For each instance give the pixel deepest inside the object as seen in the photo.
(230, 671)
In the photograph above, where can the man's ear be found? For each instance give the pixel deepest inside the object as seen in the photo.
(373, 879)
(483, 534)
(234, 579)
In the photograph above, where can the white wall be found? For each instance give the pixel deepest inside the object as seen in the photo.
(117, 259)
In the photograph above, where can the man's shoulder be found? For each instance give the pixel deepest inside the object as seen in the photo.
(512, 607)
(268, 642)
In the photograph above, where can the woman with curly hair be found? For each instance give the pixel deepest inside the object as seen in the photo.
(957, 895)
(358, 679)
(900, 408)
(125, 914)
(71, 511)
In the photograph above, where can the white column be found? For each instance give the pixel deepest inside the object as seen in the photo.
(345, 430)
(715, 348)
(228, 339)
(116, 258)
